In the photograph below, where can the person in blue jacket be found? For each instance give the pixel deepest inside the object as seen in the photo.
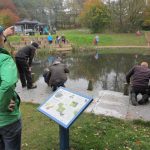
(50, 39)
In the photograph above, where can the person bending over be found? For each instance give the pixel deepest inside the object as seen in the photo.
(140, 75)
(24, 59)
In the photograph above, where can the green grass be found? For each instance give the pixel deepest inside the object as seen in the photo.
(89, 132)
(83, 37)
(15, 38)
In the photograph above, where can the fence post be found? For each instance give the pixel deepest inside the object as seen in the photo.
(90, 85)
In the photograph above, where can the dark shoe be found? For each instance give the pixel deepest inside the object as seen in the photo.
(54, 88)
(141, 102)
(133, 99)
(32, 87)
(144, 100)
(23, 86)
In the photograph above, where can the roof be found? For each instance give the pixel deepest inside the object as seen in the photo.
(26, 21)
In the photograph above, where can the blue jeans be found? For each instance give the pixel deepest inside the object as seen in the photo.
(10, 136)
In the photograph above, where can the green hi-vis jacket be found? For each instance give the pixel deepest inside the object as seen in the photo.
(8, 79)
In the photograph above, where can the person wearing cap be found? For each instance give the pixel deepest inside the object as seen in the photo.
(24, 59)
(139, 75)
(57, 74)
(10, 116)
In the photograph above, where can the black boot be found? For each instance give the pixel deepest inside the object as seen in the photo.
(32, 87)
(23, 86)
(144, 100)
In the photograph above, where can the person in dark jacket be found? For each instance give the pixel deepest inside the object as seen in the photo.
(24, 59)
(57, 74)
(139, 83)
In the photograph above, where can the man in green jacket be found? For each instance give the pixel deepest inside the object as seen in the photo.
(10, 122)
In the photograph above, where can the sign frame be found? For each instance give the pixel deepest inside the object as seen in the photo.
(89, 100)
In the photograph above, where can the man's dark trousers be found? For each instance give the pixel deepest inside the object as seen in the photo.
(24, 73)
(56, 85)
(136, 91)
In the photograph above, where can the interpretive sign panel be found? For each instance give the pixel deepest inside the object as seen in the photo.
(64, 106)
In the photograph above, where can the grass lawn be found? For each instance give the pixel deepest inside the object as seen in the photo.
(89, 132)
(84, 38)
(81, 37)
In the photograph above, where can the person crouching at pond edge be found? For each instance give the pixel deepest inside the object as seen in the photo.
(57, 74)
(139, 84)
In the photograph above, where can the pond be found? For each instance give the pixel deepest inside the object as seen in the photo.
(107, 71)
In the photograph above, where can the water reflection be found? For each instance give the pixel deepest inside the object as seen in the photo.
(107, 72)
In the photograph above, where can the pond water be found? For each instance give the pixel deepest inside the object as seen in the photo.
(107, 72)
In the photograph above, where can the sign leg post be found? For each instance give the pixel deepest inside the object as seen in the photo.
(64, 138)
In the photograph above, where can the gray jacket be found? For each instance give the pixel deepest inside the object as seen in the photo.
(58, 73)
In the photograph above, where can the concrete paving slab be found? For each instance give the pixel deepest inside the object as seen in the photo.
(139, 112)
(38, 95)
(105, 102)
(110, 103)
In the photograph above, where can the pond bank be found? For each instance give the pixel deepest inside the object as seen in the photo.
(105, 102)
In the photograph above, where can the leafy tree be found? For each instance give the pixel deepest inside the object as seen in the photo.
(30, 9)
(95, 15)
(126, 15)
(7, 4)
(73, 9)
(46, 11)
(146, 16)
(7, 17)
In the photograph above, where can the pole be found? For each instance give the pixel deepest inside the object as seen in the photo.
(90, 85)
(64, 138)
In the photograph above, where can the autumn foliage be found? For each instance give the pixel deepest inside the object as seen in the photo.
(8, 15)
(7, 4)
(95, 15)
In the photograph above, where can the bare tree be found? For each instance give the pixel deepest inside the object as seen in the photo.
(127, 14)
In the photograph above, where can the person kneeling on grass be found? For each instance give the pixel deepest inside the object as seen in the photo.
(56, 76)
(139, 84)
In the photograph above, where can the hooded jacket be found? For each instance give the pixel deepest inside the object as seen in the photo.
(58, 73)
(8, 79)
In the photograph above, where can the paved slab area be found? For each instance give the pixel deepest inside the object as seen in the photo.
(111, 104)
(117, 105)
(105, 102)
